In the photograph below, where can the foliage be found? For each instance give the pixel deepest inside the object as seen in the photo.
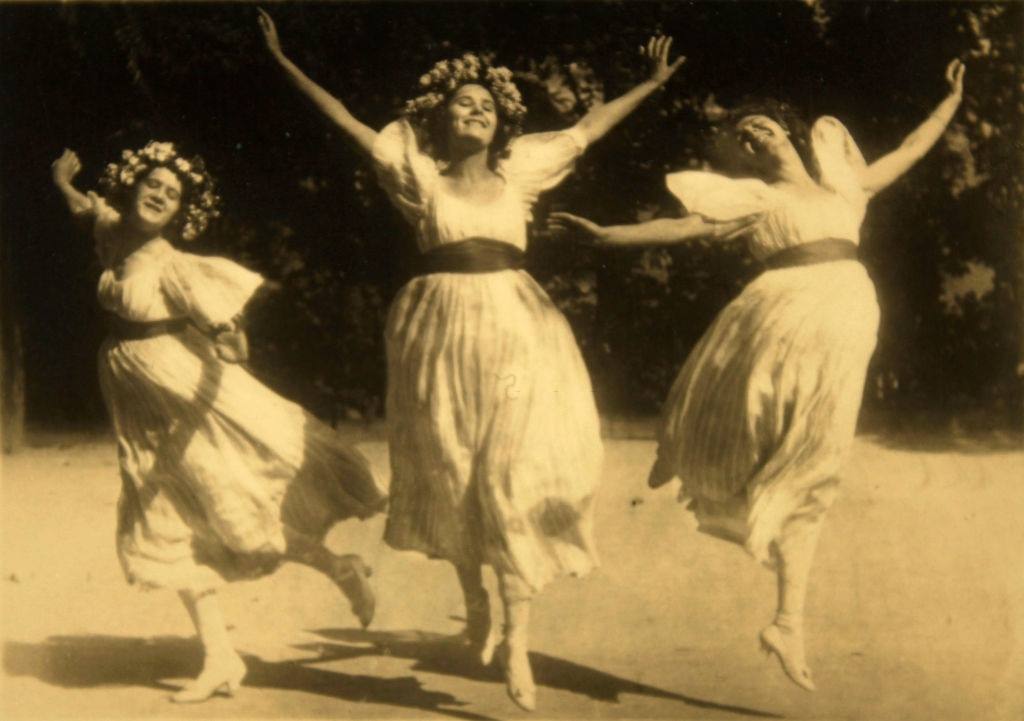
(301, 206)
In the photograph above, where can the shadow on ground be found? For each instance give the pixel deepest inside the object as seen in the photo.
(439, 654)
(93, 661)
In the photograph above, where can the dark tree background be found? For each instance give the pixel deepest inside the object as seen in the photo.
(944, 244)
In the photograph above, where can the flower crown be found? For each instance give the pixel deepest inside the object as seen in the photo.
(119, 178)
(448, 75)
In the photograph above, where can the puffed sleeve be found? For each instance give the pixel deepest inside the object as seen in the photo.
(407, 174)
(717, 197)
(840, 162)
(540, 161)
(106, 229)
(211, 291)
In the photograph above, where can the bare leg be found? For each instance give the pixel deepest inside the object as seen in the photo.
(223, 670)
(514, 650)
(794, 552)
(348, 572)
(478, 612)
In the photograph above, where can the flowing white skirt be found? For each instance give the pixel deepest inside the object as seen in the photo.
(494, 435)
(764, 411)
(215, 466)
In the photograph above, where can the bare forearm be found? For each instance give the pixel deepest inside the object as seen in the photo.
(363, 135)
(78, 203)
(603, 118)
(915, 146)
(663, 231)
(921, 140)
(929, 132)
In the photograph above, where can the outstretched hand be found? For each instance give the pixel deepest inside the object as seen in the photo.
(269, 30)
(955, 77)
(560, 222)
(66, 167)
(657, 53)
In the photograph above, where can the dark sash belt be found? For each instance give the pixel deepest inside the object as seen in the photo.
(123, 329)
(816, 251)
(475, 255)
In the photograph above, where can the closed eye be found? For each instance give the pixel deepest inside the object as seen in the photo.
(468, 102)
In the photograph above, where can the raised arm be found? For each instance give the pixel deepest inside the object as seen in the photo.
(363, 135)
(603, 118)
(888, 168)
(65, 168)
(662, 231)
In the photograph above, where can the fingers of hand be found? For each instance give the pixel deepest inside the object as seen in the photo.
(955, 70)
(67, 162)
(563, 217)
(266, 22)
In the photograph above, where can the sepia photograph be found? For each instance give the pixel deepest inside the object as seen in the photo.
(480, 360)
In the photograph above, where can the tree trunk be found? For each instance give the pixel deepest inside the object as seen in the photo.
(12, 369)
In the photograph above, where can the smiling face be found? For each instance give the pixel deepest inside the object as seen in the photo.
(157, 200)
(471, 118)
(765, 143)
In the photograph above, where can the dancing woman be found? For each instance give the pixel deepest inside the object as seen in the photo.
(222, 479)
(494, 436)
(764, 410)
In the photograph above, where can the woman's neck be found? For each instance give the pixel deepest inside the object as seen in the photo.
(792, 172)
(134, 238)
(470, 167)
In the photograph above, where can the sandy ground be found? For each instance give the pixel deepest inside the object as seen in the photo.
(916, 608)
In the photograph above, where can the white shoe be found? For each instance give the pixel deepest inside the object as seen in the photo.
(219, 677)
(788, 646)
(518, 676)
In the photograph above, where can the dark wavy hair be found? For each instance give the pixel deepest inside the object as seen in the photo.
(723, 147)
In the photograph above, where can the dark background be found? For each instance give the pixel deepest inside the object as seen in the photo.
(302, 206)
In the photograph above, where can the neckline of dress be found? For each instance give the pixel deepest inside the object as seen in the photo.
(819, 190)
(158, 245)
(497, 199)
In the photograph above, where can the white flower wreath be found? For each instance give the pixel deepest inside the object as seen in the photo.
(448, 75)
(203, 203)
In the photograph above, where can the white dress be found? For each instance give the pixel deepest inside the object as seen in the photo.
(214, 465)
(764, 411)
(494, 436)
